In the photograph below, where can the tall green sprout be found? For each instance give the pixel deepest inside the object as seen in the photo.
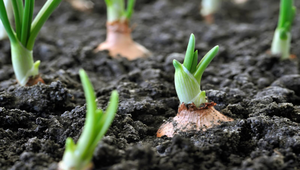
(23, 38)
(116, 10)
(282, 38)
(188, 75)
(78, 157)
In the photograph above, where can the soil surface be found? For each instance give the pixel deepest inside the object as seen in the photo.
(259, 91)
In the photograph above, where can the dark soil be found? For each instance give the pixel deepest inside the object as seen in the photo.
(259, 91)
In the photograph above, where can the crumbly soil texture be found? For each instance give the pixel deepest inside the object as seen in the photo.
(259, 91)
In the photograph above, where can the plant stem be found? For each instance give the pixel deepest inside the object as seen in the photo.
(115, 10)
(281, 46)
(22, 61)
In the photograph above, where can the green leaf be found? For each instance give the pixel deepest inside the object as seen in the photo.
(40, 19)
(26, 22)
(115, 10)
(18, 13)
(287, 13)
(130, 6)
(176, 64)
(194, 64)
(6, 23)
(108, 2)
(70, 145)
(189, 55)
(86, 139)
(108, 117)
(205, 62)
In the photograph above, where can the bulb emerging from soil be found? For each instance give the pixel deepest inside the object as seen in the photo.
(209, 19)
(119, 41)
(82, 5)
(33, 80)
(191, 119)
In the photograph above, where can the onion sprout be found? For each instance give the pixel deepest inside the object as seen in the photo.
(282, 37)
(78, 156)
(23, 38)
(118, 37)
(209, 7)
(188, 75)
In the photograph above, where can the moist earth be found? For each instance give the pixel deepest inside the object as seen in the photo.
(259, 91)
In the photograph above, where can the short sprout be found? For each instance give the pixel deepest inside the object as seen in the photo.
(188, 75)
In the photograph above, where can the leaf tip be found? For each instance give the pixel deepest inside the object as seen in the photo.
(176, 64)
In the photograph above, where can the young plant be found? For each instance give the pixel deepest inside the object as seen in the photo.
(78, 156)
(118, 36)
(22, 40)
(282, 37)
(208, 8)
(8, 5)
(194, 112)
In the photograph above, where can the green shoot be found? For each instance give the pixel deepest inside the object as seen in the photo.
(27, 29)
(116, 10)
(282, 37)
(188, 75)
(96, 124)
(8, 6)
